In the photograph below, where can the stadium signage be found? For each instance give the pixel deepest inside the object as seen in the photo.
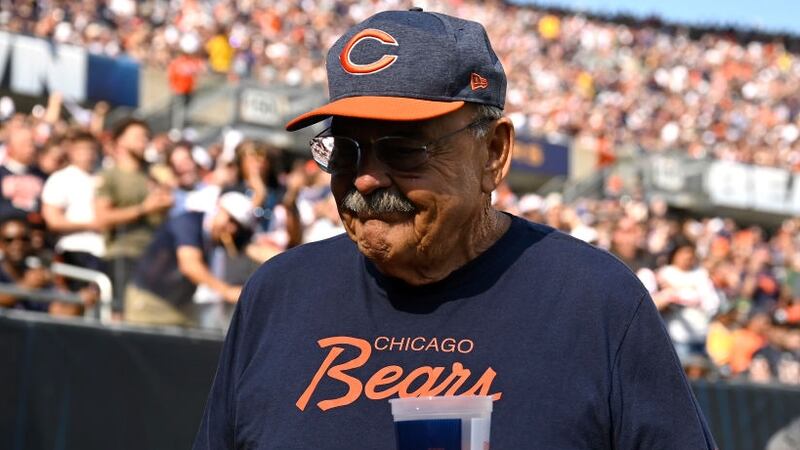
(274, 106)
(535, 155)
(688, 182)
(35, 67)
(766, 189)
(262, 107)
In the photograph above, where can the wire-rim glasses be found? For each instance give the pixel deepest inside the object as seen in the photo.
(342, 155)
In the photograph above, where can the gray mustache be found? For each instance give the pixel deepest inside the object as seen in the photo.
(382, 201)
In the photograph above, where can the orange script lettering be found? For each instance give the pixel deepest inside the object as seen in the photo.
(390, 380)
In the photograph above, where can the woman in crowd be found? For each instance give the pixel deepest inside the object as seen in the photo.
(687, 300)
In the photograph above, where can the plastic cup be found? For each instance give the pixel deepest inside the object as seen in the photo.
(442, 423)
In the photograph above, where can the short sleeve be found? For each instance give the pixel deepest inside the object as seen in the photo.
(56, 191)
(652, 404)
(187, 230)
(105, 188)
(217, 427)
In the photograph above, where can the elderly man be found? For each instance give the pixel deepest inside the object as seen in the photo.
(21, 181)
(433, 292)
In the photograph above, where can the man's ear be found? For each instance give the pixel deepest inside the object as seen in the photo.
(499, 145)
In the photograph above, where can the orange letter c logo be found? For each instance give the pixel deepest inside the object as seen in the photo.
(366, 69)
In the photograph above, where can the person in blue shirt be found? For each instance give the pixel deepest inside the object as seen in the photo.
(433, 292)
(177, 261)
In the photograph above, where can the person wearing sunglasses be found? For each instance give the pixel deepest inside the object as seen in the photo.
(16, 266)
(432, 291)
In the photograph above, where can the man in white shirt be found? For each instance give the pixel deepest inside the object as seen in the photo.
(68, 204)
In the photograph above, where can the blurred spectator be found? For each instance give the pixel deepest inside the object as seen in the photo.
(257, 168)
(779, 359)
(687, 300)
(129, 203)
(20, 265)
(21, 181)
(327, 222)
(51, 157)
(747, 341)
(720, 341)
(184, 175)
(760, 284)
(174, 263)
(68, 205)
(613, 86)
(220, 52)
(614, 89)
(182, 73)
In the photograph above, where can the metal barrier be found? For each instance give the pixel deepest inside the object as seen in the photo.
(39, 295)
(99, 279)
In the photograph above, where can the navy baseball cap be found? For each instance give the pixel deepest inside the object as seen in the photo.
(409, 65)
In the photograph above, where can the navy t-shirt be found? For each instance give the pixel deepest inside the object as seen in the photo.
(562, 334)
(157, 271)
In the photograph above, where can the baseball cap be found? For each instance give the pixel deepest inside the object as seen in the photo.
(240, 207)
(409, 65)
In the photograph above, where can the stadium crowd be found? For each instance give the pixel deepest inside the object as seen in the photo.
(111, 200)
(610, 86)
(120, 200)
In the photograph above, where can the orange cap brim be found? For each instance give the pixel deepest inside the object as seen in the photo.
(377, 108)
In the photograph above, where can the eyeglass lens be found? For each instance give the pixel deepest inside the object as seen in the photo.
(338, 155)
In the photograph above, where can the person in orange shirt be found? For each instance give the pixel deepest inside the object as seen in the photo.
(182, 75)
(747, 341)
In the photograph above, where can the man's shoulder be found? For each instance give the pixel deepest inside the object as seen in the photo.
(69, 173)
(305, 260)
(188, 218)
(185, 226)
(314, 265)
(120, 175)
(579, 262)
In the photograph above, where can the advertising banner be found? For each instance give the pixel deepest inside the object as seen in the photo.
(35, 67)
(539, 156)
(687, 182)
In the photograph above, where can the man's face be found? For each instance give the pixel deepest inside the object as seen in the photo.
(222, 226)
(15, 241)
(134, 140)
(20, 145)
(426, 212)
(184, 167)
(83, 154)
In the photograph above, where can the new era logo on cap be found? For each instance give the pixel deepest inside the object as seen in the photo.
(477, 82)
(409, 65)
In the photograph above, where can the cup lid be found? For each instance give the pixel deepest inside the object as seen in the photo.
(441, 405)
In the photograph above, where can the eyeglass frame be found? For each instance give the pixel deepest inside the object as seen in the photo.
(425, 147)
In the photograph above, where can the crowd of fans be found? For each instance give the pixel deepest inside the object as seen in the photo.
(122, 201)
(116, 200)
(609, 86)
(729, 295)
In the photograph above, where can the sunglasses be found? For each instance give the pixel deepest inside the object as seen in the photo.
(10, 239)
(343, 155)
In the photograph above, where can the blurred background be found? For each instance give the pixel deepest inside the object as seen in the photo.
(667, 134)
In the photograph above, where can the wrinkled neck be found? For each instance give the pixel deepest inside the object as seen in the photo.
(473, 239)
